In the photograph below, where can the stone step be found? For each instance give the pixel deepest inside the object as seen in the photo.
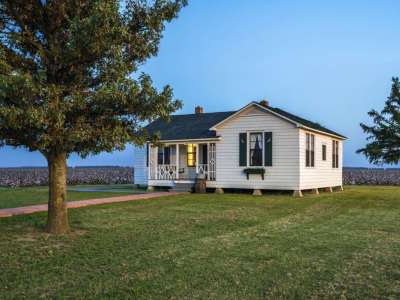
(182, 187)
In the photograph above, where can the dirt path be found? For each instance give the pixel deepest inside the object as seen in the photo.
(9, 212)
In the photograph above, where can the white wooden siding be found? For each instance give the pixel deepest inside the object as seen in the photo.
(288, 172)
(139, 165)
(322, 175)
(283, 175)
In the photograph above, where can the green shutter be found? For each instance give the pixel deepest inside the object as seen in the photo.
(268, 149)
(243, 149)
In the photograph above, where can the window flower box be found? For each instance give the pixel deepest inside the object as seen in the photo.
(259, 171)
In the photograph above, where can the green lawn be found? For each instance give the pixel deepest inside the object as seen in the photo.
(17, 197)
(232, 246)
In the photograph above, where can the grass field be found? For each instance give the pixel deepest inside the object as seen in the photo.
(24, 196)
(232, 246)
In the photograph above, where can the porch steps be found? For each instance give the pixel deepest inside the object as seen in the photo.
(182, 187)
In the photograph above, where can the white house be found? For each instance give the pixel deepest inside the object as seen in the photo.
(258, 147)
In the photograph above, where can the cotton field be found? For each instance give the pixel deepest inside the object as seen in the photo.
(15, 177)
(352, 176)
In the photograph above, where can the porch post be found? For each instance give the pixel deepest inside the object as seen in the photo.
(197, 158)
(148, 149)
(208, 161)
(177, 161)
(156, 163)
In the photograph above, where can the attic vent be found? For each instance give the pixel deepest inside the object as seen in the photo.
(198, 110)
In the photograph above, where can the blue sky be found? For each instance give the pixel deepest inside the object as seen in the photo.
(329, 61)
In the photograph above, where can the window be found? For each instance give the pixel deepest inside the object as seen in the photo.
(164, 156)
(191, 155)
(204, 151)
(324, 152)
(335, 154)
(256, 149)
(310, 150)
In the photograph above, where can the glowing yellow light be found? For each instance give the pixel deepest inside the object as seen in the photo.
(191, 155)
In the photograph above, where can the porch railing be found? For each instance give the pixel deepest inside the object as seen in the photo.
(169, 172)
(202, 170)
(176, 171)
(206, 171)
(166, 172)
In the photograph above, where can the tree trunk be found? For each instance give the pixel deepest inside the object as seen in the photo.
(57, 217)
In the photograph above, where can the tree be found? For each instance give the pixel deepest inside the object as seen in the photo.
(66, 80)
(384, 135)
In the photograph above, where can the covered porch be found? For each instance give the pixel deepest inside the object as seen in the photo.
(181, 161)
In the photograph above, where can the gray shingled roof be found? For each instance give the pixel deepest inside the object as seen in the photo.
(305, 122)
(196, 126)
(193, 126)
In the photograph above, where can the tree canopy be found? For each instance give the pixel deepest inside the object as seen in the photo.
(66, 70)
(67, 81)
(384, 134)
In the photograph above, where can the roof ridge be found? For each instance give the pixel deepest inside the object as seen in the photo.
(205, 113)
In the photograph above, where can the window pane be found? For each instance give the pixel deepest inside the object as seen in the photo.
(307, 158)
(337, 154)
(307, 150)
(333, 154)
(167, 155)
(256, 149)
(204, 154)
(312, 150)
(160, 156)
(191, 155)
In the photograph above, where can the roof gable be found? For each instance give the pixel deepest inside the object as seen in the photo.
(296, 120)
